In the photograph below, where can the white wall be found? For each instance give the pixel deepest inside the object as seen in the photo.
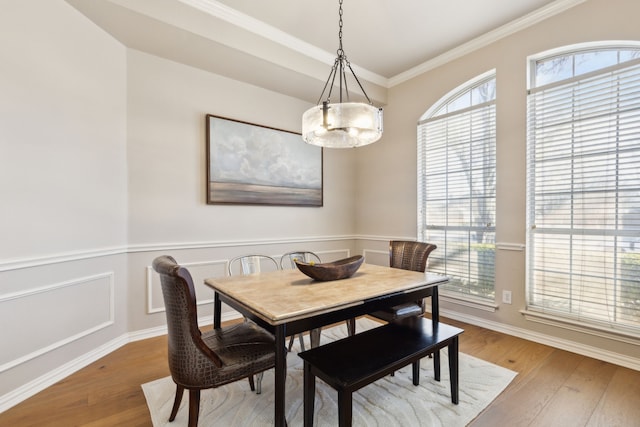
(63, 186)
(387, 170)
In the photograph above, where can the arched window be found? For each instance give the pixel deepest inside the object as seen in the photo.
(457, 186)
(583, 186)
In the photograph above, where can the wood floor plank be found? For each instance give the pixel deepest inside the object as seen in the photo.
(620, 404)
(574, 403)
(524, 401)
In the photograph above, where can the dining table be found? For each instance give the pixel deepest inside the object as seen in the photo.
(287, 302)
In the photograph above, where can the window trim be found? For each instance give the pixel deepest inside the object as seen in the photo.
(484, 303)
(573, 320)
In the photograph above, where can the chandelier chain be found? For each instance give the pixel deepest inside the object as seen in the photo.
(339, 69)
(341, 124)
(340, 50)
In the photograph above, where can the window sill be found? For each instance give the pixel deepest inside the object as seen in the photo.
(468, 301)
(626, 335)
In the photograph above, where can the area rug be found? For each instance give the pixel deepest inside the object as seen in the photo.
(390, 401)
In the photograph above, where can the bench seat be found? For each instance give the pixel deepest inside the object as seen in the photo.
(356, 361)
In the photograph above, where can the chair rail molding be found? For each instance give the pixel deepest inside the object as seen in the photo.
(56, 258)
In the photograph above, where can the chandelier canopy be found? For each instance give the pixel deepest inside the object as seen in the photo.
(343, 124)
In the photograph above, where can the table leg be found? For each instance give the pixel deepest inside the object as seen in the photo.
(217, 311)
(280, 376)
(309, 395)
(435, 305)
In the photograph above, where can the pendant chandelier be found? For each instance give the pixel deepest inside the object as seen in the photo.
(343, 124)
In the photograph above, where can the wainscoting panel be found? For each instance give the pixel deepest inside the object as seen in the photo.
(38, 320)
(376, 257)
(333, 254)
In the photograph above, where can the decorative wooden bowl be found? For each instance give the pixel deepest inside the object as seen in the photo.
(336, 270)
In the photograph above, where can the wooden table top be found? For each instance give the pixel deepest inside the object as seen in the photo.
(285, 295)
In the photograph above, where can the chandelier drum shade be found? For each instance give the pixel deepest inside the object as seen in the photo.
(342, 124)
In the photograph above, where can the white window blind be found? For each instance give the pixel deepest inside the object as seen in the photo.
(456, 188)
(583, 213)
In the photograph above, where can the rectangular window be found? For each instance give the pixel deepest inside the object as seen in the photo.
(456, 195)
(583, 213)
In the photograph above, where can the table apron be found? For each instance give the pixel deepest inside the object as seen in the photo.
(315, 321)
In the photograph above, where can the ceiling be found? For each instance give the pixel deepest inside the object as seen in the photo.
(289, 45)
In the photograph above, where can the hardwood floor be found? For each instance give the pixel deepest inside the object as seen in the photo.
(553, 387)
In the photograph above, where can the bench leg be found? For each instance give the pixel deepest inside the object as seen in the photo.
(344, 408)
(416, 372)
(309, 395)
(453, 368)
(436, 365)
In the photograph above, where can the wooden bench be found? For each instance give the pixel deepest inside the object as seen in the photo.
(356, 361)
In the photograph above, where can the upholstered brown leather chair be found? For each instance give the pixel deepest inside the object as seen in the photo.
(201, 360)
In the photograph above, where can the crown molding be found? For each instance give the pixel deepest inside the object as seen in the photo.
(486, 39)
(275, 35)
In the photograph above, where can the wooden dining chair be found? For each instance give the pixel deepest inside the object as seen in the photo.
(201, 360)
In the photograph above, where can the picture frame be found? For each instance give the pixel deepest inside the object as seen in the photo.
(253, 164)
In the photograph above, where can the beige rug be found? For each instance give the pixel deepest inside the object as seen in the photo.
(391, 401)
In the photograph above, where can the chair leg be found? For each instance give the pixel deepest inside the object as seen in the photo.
(194, 407)
(351, 327)
(251, 384)
(314, 337)
(176, 402)
(259, 382)
(301, 342)
(300, 338)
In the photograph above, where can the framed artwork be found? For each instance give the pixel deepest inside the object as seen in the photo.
(259, 165)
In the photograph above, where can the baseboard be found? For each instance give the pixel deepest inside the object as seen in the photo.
(33, 387)
(582, 349)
